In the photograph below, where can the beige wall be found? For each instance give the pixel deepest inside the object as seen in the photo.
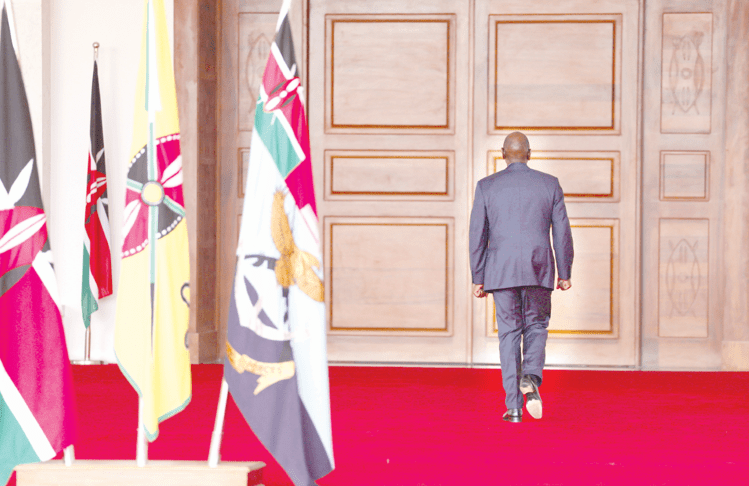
(55, 42)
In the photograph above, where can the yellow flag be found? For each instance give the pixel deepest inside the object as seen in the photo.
(152, 305)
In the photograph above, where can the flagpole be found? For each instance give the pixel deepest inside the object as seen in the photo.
(87, 342)
(141, 454)
(218, 426)
(86, 351)
(87, 338)
(69, 455)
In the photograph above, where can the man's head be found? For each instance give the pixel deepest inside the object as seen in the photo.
(516, 148)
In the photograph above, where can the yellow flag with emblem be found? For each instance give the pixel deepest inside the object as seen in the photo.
(153, 300)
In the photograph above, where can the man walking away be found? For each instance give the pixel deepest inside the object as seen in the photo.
(513, 213)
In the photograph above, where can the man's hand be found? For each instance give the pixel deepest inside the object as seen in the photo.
(564, 284)
(478, 291)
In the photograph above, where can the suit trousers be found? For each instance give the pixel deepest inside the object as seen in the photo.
(522, 314)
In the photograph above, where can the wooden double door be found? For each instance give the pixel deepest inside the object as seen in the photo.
(408, 105)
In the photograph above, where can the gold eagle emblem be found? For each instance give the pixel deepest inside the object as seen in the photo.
(294, 265)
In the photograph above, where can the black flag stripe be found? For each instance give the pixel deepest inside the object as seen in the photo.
(17, 140)
(97, 133)
(285, 44)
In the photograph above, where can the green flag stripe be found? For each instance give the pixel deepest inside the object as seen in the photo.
(88, 297)
(174, 206)
(134, 185)
(15, 447)
(276, 140)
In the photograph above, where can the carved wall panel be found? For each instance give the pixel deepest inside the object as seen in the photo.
(684, 278)
(387, 175)
(541, 91)
(389, 73)
(389, 275)
(685, 175)
(601, 172)
(686, 72)
(590, 307)
(256, 31)
(685, 164)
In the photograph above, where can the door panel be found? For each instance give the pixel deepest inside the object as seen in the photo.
(389, 133)
(408, 106)
(566, 74)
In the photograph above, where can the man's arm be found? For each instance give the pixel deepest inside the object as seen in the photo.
(562, 238)
(478, 239)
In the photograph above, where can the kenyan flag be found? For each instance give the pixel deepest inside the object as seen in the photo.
(97, 259)
(36, 395)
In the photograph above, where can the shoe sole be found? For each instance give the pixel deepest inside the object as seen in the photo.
(513, 419)
(534, 407)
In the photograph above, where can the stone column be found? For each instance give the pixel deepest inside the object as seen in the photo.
(735, 348)
(195, 39)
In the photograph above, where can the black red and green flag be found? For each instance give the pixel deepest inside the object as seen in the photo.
(36, 395)
(97, 257)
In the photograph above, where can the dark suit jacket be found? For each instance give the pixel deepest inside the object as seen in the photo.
(512, 214)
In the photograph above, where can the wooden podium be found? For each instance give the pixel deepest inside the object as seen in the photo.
(126, 473)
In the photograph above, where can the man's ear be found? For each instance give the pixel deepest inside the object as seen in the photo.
(529, 154)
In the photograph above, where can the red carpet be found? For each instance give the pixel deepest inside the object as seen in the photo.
(436, 426)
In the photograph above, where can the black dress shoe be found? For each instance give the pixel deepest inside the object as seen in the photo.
(533, 398)
(513, 415)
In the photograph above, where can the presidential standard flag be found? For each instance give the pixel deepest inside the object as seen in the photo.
(152, 309)
(97, 260)
(36, 395)
(276, 364)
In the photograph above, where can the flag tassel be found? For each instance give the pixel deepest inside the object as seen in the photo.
(141, 454)
(218, 426)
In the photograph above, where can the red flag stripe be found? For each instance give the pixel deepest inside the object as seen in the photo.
(99, 257)
(298, 182)
(33, 352)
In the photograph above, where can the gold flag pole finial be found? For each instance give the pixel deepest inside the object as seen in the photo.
(96, 51)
